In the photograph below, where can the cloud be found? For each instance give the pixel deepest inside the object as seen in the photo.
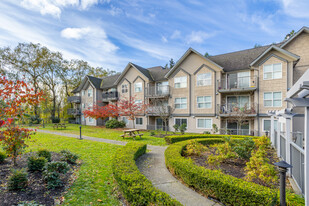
(176, 34)
(74, 33)
(296, 8)
(198, 37)
(114, 11)
(164, 39)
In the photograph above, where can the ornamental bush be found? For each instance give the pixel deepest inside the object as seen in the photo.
(2, 156)
(36, 163)
(18, 180)
(45, 153)
(52, 179)
(137, 189)
(114, 123)
(60, 167)
(68, 156)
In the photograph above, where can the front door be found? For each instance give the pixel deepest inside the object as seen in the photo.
(160, 124)
(235, 129)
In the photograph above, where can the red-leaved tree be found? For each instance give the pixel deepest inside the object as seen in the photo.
(15, 98)
(103, 112)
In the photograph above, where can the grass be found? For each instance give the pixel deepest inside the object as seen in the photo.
(94, 185)
(102, 132)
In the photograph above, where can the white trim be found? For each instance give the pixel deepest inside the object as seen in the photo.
(204, 102)
(203, 127)
(126, 70)
(272, 71)
(263, 130)
(140, 118)
(181, 103)
(203, 79)
(272, 100)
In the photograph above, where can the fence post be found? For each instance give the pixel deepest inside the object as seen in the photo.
(278, 138)
(288, 141)
(272, 129)
(306, 138)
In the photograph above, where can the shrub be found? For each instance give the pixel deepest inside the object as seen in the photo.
(69, 157)
(137, 189)
(229, 190)
(183, 128)
(55, 120)
(152, 133)
(244, 147)
(194, 148)
(60, 167)
(35, 120)
(36, 163)
(52, 179)
(206, 132)
(224, 151)
(176, 127)
(215, 128)
(18, 180)
(2, 156)
(44, 153)
(114, 123)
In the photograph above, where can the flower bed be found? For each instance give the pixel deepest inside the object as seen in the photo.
(137, 189)
(213, 183)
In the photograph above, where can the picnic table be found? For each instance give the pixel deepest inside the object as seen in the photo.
(132, 133)
(59, 125)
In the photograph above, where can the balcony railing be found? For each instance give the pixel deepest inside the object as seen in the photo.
(109, 96)
(233, 109)
(74, 99)
(238, 132)
(157, 91)
(231, 84)
(158, 111)
(73, 111)
(158, 127)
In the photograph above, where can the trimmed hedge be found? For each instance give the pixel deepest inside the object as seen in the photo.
(178, 138)
(137, 189)
(228, 189)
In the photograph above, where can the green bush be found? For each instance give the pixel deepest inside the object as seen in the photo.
(228, 189)
(52, 179)
(177, 138)
(44, 153)
(18, 180)
(68, 156)
(244, 147)
(55, 120)
(152, 133)
(60, 167)
(183, 128)
(114, 123)
(36, 163)
(137, 189)
(2, 156)
(34, 120)
(176, 127)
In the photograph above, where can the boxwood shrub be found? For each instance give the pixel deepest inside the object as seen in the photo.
(136, 188)
(228, 189)
(177, 138)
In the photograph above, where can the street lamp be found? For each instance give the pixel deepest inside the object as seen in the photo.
(283, 168)
(80, 132)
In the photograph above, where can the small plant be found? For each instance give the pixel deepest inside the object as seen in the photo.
(44, 153)
(243, 148)
(224, 151)
(18, 180)
(36, 163)
(2, 156)
(176, 128)
(183, 128)
(206, 132)
(52, 179)
(60, 167)
(152, 133)
(215, 128)
(55, 120)
(114, 123)
(262, 142)
(69, 157)
(194, 148)
(34, 120)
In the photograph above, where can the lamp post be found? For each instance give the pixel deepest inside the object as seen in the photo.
(80, 132)
(43, 124)
(283, 168)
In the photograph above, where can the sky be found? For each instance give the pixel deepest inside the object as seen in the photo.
(111, 33)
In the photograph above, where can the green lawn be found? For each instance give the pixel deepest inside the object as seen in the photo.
(101, 132)
(95, 179)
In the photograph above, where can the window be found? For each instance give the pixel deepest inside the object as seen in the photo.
(181, 82)
(139, 121)
(83, 118)
(90, 91)
(204, 102)
(272, 99)
(272, 71)
(83, 92)
(125, 120)
(124, 88)
(90, 120)
(138, 87)
(203, 79)
(181, 103)
(90, 106)
(84, 105)
(266, 124)
(180, 121)
(138, 101)
(204, 123)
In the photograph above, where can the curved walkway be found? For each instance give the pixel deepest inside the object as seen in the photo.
(152, 165)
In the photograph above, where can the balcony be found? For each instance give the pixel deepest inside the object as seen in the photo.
(73, 111)
(232, 109)
(109, 96)
(74, 99)
(237, 84)
(158, 111)
(157, 91)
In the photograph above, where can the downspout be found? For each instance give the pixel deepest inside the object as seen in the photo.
(190, 95)
(215, 94)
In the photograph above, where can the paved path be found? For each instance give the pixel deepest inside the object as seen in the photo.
(152, 165)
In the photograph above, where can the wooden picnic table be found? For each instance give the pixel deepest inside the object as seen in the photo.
(132, 133)
(59, 125)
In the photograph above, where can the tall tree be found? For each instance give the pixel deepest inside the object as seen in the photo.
(289, 35)
(172, 63)
(206, 54)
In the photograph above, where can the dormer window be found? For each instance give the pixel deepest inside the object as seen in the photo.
(203, 79)
(124, 88)
(138, 87)
(272, 71)
(90, 91)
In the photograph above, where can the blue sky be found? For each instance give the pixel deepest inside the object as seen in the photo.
(111, 33)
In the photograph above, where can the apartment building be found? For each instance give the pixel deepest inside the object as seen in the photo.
(233, 90)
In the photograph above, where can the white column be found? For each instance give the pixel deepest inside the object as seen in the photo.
(306, 137)
(278, 138)
(288, 141)
(272, 130)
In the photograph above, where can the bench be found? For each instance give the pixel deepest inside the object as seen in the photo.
(59, 125)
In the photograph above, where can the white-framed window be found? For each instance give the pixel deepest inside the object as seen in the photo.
(125, 120)
(138, 87)
(180, 121)
(266, 124)
(84, 106)
(90, 92)
(124, 88)
(83, 118)
(272, 99)
(83, 92)
(180, 82)
(272, 71)
(90, 120)
(139, 121)
(203, 79)
(204, 102)
(181, 103)
(204, 123)
(138, 101)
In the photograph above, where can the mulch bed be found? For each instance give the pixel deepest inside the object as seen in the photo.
(37, 190)
(234, 167)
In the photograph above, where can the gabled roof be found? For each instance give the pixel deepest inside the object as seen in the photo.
(95, 81)
(109, 81)
(303, 29)
(188, 52)
(142, 70)
(273, 47)
(157, 73)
